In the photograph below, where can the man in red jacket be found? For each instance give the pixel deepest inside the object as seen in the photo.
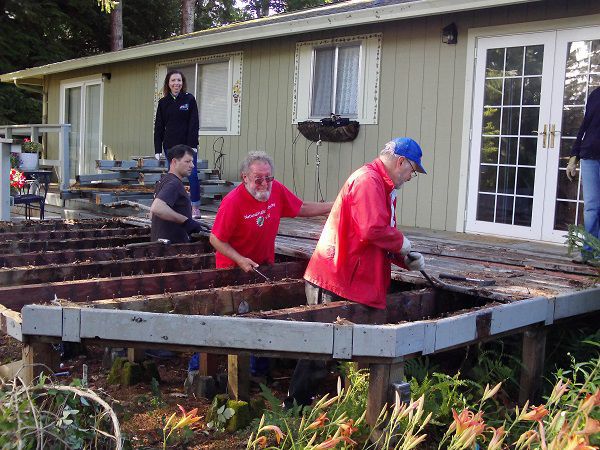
(352, 258)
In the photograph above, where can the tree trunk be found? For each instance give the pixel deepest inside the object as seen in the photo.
(116, 27)
(188, 8)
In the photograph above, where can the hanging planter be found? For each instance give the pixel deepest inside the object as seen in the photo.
(334, 129)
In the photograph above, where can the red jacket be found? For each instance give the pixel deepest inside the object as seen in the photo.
(351, 257)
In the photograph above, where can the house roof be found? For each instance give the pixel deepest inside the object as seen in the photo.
(335, 15)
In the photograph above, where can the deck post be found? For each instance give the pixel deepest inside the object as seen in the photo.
(38, 357)
(380, 387)
(4, 180)
(238, 377)
(534, 350)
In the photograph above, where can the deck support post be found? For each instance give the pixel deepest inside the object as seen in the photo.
(136, 354)
(534, 350)
(38, 357)
(238, 377)
(380, 387)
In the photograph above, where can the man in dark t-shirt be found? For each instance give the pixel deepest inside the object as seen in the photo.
(171, 209)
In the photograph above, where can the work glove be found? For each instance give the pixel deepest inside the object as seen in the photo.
(414, 261)
(157, 156)
(572, 168)
(406, 246)
(193, 226)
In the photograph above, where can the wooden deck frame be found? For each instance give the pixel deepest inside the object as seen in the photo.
(58, 244)
(375, 344)
(70, 234)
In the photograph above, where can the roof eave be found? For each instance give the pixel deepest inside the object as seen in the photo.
(267, 30)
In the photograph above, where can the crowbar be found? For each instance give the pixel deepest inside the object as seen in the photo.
(476, 281)
(268, 280)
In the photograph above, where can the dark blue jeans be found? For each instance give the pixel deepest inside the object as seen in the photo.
(590, 177)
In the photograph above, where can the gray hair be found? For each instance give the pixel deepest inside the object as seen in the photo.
(253, 157)
(388, 151)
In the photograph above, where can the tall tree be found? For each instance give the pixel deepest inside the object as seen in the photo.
(188, 9)
(116, 27)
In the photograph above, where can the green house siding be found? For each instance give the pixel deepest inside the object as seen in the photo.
(422, 94)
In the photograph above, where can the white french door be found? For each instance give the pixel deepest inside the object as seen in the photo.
(529, 97)
(81, 105)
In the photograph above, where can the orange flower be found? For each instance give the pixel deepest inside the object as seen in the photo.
(346, 429)
(590, 401)
(578, 443)
(274, 429)
(333, 442)
(261, 441)
(466, 419)
(537, 413)
(497, 438)
(319, 422)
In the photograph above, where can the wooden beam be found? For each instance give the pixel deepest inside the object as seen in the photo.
(11, 323)
(226, 300)
(71, 234)
(380, 388)
(38, 357)
(38, 246)
(238, 377)
(534, 352)
(150, 250)
(46, 225)
(104, 269)
(88, 290)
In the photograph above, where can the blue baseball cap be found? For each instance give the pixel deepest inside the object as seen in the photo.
(408, 148)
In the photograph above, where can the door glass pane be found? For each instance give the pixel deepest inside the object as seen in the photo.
(509, 134)
(73, 116)
(213, 98)
(91, 140)
(581, 77)
(323, 82)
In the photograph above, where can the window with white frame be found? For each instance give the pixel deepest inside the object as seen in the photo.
(339, 76)
(216, 82)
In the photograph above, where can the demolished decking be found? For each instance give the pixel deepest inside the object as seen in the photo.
(149, 292)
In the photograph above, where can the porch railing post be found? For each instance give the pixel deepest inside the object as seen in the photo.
(4, 180)
(64, 156)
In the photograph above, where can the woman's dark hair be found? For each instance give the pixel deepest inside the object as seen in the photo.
(166, 89)
(178, 151)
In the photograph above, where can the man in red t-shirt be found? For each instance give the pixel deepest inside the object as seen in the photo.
(248, 219)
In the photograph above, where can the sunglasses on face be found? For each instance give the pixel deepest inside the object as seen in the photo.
(259, 181)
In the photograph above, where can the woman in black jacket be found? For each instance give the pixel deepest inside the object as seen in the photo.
(176, 123)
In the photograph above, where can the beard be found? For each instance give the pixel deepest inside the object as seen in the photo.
(261, 196)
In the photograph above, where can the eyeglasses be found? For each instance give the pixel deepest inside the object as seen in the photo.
(259, 181)
(414, 172)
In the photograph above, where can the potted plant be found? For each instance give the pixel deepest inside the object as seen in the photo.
(30, 154)
(17, 181)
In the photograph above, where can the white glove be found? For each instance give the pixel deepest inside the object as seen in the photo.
(414, 261)
(572, 168)
(157, 156)
(405, 250)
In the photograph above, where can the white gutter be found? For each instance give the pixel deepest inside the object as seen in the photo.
(241, 33)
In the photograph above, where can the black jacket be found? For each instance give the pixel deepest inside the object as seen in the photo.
(587, 144)
(176, 122)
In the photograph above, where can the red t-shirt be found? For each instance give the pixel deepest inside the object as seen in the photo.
(250, 226)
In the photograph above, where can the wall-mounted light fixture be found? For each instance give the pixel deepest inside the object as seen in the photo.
(450, 34)
(106, 76)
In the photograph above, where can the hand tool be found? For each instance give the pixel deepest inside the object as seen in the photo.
(479, 282)
(262, 275)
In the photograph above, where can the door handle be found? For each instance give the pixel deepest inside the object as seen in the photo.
(553, 133)
(543, 133)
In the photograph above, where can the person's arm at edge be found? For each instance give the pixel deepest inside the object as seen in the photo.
(310, 209)
(246, 264)
(163, 211)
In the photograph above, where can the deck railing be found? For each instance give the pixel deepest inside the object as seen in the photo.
(13, 133)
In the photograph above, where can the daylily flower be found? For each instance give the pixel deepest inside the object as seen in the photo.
(536, 414)
(497, 438)
(465, 420)
(274, 429)
(188, 419)
(261, 441)
(578, 443)
(346, 429)
(558, 391)
(526, 439)
(319, 422)
(590, 401)
(333, 442)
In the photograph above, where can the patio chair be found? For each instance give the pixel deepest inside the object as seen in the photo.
(33, 194)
